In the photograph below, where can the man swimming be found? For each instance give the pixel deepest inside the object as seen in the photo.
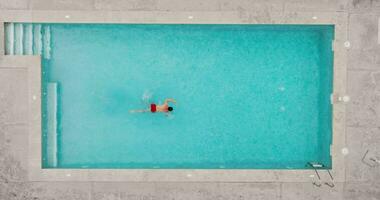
(164, 108)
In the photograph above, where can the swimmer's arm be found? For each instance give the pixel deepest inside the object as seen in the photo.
(170, 100)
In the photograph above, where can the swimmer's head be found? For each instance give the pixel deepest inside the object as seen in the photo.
(170, 109)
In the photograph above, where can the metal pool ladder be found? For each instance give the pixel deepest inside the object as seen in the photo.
(320, 166)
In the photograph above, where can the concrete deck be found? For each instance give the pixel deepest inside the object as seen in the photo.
(362, 119)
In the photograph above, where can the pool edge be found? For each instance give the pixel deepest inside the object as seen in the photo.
(33, 64)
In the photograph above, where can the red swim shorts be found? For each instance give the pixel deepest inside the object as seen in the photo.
(153, 108)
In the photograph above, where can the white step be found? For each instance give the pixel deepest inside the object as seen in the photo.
(37, 47)
(28, 39)
(9, 38)
(46, 42)
(19, 36)
(52, 117)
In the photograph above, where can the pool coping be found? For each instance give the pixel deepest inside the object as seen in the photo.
(33, 66)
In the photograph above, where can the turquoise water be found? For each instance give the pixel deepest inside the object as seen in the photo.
(249, 96)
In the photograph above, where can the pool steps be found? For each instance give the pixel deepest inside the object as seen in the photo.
(37, 40)
(52, 125)
(46, 42)
(27, 39)
(9, 38)
(19, 39)
(28, 45)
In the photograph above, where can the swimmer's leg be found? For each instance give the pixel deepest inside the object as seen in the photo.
(139, 111)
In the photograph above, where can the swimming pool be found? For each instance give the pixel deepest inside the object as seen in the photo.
(249, 96)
